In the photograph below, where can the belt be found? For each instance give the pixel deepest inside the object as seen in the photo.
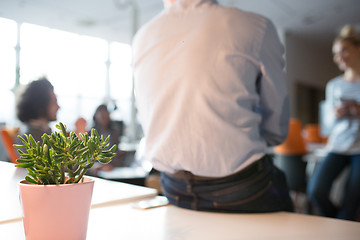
(243, 173)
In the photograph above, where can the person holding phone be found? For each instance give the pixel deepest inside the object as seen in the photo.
(343, 103)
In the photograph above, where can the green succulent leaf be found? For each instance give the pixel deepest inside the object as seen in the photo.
(29, 179)
(113, 148)
(24, 165)
(20, 160)
(18, 146)
(105, 160)
(32, 141)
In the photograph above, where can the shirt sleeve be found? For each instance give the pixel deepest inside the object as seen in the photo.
(329, 106)
(274, 100)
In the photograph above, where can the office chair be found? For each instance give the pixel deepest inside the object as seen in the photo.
(8, 141)
(289, 157)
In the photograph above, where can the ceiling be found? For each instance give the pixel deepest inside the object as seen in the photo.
(316, 21)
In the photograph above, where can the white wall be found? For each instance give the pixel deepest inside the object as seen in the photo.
(307, 63)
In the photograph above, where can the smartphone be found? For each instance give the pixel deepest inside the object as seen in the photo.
(347, 100)
(158, 201)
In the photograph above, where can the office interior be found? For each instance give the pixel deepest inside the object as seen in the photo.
(306, 28)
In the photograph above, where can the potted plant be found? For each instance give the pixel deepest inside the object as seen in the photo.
(56, 196)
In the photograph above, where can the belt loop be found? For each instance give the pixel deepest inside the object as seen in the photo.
(260, 165)
(262, 161)
(188, 176)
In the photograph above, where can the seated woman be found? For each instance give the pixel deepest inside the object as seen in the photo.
(343, 119)
(37, 107)
(105, 126)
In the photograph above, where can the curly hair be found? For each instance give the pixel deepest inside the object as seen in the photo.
(34, 101)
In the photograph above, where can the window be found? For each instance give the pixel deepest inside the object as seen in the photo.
(8, 39)
(121, 78)
(74, 64)
(85, 71)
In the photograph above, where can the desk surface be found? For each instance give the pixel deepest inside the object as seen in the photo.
(172, 223)
(105, 192)
(111, 220)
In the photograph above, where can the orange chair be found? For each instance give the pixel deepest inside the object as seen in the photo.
(294, 143)
(289, 157)
(7, 136)
(312, 133)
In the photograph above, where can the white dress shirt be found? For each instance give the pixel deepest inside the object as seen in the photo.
(345, 132)
(210, 88)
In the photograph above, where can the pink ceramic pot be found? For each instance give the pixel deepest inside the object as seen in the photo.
(56, 211)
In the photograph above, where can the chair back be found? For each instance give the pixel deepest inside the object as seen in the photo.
(312, 133)
(7, 136)
(294, 143)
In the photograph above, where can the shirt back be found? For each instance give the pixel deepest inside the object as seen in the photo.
(199, 73)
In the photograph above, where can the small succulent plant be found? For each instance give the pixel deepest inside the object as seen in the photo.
(62, 158)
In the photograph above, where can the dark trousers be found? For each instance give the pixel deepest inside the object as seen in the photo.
(261, 187)
(319, 186)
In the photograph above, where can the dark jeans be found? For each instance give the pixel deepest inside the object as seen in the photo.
(261, 187)
(319, 186)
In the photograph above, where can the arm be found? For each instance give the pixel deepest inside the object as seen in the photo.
(347, 108)
(353, 109)
(274, 101)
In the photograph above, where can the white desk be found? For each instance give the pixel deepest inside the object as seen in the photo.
(172, 223)
(125, 222)
(112, 220)
(105, 192)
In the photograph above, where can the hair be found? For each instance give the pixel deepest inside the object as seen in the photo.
(101, 107)
(34, 100)
(349, 34)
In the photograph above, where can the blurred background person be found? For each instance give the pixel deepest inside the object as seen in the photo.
(106, 126)
(343, 103)
(80, 125)
(37, 106)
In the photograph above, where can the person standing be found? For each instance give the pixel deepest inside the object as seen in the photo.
(212, 98)
(343, 118)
